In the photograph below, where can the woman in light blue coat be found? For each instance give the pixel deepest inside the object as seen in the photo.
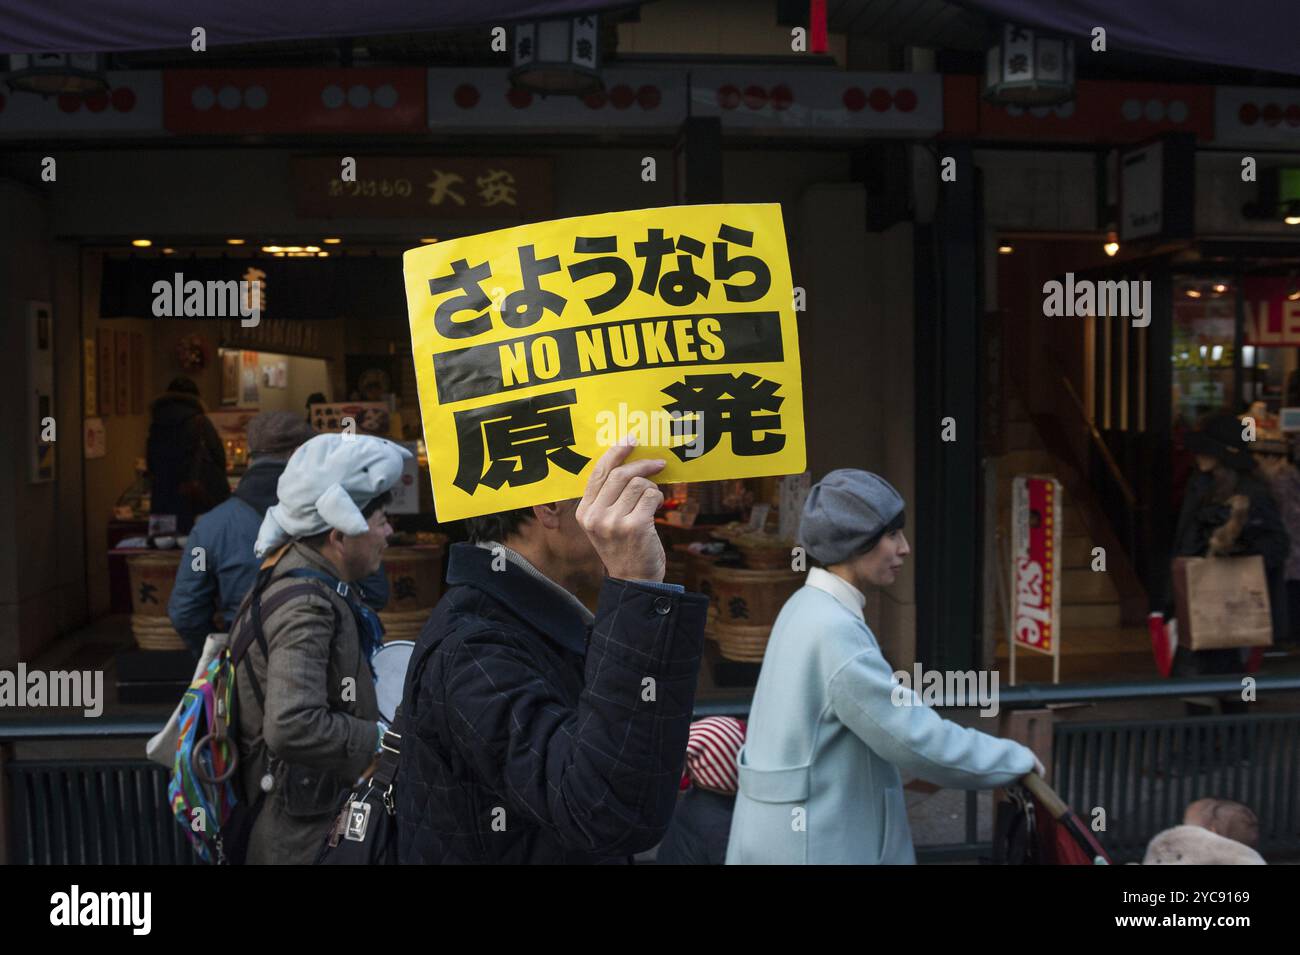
(830, 728)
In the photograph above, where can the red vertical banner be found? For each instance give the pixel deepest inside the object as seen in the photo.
(104, 370)
(1036, 561)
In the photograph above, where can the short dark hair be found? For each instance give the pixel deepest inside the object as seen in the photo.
(317, 541)
(498, 526)
(382, 500)
(182, 385)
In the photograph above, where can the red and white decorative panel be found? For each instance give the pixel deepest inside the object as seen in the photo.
(294, 100)
(133, 104)
(477, 100)
(904, 104)
(1256, 116)
(1100, 112)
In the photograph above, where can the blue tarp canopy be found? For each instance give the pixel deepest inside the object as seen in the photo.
(1248, 34)
(105, 26)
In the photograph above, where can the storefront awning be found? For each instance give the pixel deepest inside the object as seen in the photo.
(74, 26)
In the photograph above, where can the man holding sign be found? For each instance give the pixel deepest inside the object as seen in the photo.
(537, 732)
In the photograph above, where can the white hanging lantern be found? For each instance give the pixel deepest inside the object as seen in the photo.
(53, 73)
(1025, 67)
(558, 56)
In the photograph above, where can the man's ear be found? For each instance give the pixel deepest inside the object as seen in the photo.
(548, 515)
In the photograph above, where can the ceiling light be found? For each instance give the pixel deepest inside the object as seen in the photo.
(1111, 246)
(1005, 249)
(331, 241)
(1193, 292)
(168, 251)
(428, 241)
(142, 243)
(234, 242)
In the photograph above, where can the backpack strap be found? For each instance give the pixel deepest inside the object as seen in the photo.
(258, 607)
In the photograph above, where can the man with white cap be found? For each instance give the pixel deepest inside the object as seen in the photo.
(829, 729)
(308, 717)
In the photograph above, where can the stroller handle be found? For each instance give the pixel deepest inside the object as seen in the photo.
(1045, 794)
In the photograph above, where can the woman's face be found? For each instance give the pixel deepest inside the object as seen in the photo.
(880, 566)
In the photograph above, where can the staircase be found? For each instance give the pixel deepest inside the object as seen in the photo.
(1095, 643)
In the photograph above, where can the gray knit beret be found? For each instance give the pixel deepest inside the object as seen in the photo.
(844, 511)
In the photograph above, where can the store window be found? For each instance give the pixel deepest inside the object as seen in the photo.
(1203, 350)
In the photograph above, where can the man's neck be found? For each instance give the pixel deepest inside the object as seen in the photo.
(537, 554)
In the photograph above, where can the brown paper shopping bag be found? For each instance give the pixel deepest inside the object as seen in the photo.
(1222, 602)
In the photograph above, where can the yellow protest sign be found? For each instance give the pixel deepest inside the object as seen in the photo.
(538, 347)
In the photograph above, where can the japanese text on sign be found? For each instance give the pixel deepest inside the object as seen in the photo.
(526, 340)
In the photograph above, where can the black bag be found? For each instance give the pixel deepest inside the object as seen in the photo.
(365, 830)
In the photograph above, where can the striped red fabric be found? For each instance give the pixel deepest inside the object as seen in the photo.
(712, 751)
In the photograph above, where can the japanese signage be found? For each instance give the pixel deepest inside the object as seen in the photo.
(1272, 319)
(424, 187)
(538, 347)
(1035, 573)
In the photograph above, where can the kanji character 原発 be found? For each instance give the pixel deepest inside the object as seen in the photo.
(738, 405)
(522, 439)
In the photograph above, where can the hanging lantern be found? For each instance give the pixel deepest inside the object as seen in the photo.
(559, 57)
(1025, 67)
(53, 73)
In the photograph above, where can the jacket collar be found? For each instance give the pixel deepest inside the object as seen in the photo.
(848, 596)
(531, 600)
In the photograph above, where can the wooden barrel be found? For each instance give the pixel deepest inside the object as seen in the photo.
(404, 625)
(152, 574)
(751, 597)
(699, 580)
(742, 642)
(155, 633)
(414, 577)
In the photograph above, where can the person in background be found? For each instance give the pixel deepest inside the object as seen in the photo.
(218, 567)
(185, 456)
(219, 578)
(1228, 509)
(315, 398)
(309, 722)
(830, 727)
(702, 820)
(1284, 480)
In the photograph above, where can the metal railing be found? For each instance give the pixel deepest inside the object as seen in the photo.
(116, 811)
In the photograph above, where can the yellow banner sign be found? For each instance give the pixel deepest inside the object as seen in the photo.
(538, 347)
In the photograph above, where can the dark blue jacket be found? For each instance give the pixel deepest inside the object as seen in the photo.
(227, 534)
(531, 738)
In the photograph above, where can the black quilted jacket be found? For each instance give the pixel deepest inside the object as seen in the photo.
(531, 738)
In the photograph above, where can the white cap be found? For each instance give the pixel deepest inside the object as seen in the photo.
(326, 484)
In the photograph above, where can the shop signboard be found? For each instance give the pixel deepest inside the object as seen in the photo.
(1157, 182)
(406, 492)
(1035, 616)
(424, 187)
(538, 347)
(1272, 317)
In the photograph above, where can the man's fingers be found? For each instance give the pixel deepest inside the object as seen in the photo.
(618, 479)
(631, 497)
(604, 465)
